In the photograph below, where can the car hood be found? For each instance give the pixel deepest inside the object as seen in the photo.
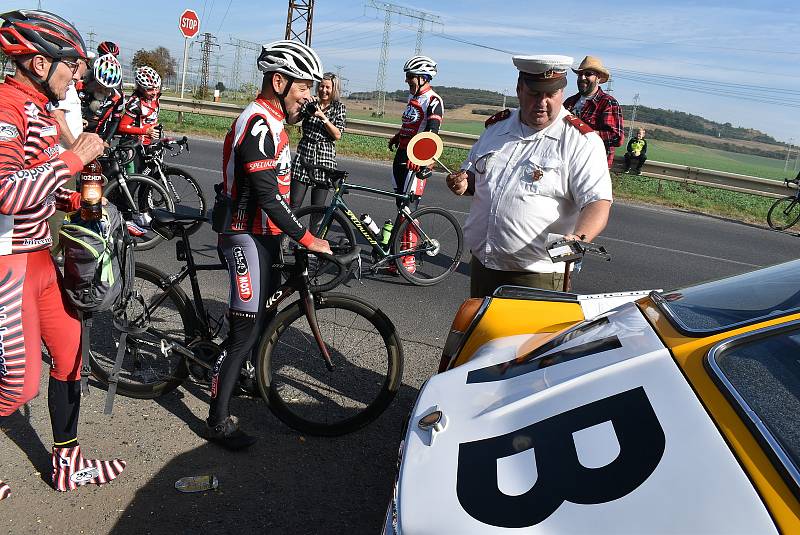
(594, 432)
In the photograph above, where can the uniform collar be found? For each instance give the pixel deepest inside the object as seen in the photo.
(429, 88)
(29, 90)
(513, 126)
(270, 107)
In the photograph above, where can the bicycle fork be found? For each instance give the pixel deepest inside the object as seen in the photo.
(311, 315)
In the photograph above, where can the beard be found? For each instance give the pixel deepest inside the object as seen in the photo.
(587, 88)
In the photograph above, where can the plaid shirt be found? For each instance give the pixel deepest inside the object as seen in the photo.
(602, 112)
(317, 147)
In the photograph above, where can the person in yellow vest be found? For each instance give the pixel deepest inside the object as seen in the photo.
(637, 153)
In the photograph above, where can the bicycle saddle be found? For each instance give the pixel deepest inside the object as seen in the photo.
(165, 217)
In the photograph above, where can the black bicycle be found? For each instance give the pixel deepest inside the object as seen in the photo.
(327, 364)
(785, 212)
(431, 236)
(130, 192)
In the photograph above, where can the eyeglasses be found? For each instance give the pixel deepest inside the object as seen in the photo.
(587, 74)
(71, 65)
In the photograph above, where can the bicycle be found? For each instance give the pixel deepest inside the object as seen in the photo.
(184, 188)
(327, 364)
(438, 239)
(126, 192)
(785, 212)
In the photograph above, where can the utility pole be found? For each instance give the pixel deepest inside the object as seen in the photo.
(788, 152)
(241, 45)
(388, 9)
(299, 19)
(91, 35)
(206, 46)
(633, 115)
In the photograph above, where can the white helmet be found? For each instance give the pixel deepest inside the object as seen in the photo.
(107, 71)
(292, 58)
(147, 78)
(421, 65)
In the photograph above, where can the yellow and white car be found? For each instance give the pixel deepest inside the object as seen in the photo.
(662, 412)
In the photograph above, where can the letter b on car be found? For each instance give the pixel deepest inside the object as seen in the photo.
(561, 477)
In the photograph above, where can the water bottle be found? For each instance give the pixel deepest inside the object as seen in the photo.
(92, 191)
(370, 224)
(386, 232)
(197, 483)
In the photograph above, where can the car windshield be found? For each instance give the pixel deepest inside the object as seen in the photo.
(719, 305)
(761, 372)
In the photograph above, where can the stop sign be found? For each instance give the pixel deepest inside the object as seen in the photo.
(189, 24)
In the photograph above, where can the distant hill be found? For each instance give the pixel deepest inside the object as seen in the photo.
(676, 124)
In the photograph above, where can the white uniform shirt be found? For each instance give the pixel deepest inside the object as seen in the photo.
(529, 184)
(71, 106)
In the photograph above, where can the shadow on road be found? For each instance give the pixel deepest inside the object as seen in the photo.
(285, 484)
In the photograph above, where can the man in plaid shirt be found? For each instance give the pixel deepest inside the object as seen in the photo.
(595, 107)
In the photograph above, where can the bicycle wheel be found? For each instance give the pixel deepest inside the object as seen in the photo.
(186, 194)
(149, 368)
(133, 210)
(324, 276)
(435, 242)
(302, 392)
(784, 213)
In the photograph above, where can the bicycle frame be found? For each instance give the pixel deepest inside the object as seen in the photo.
(297, 281)
(338, 203)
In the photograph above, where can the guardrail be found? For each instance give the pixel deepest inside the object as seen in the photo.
(658, 170)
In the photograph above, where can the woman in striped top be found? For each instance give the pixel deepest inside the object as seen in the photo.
(321, 131)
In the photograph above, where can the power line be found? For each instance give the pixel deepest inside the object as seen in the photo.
(224, 16)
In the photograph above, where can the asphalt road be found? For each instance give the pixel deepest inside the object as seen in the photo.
(291, 484)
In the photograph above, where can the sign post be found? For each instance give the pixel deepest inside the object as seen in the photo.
(189, 26)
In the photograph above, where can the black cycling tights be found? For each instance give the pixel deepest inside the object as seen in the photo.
(252, 282)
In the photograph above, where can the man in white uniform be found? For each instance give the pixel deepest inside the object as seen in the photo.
(535, 171)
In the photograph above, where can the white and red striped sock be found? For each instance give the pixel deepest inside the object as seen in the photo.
(5, 490)
(71, 469)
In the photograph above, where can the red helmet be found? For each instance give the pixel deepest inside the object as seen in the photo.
(108, 47)
(27, 32)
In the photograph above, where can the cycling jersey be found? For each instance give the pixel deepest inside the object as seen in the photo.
(140, 115)
(32, 170)
(102, 116)
(256, 176)
(423, 114)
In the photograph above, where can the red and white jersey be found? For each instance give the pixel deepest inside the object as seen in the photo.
(140, 115)
(256, 174)
(31, 170)
(422, 111)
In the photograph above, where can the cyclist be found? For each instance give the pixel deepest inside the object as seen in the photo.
(251, 213)
(138, 125)
(47, 51)
(102, 101)
(423, 114)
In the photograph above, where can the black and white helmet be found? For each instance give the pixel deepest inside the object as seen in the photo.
(420, 66)
(292, 58)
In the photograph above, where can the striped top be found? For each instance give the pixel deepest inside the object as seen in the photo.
(32, 170)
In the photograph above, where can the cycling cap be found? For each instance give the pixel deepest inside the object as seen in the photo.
(107, 71)
(27, 32)
(421, 65)
(147, 78)
(108, 47)
(292, 58)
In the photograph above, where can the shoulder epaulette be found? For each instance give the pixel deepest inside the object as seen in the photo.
(582, 127)
(497, 117)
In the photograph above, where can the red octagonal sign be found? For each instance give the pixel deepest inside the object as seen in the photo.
(189, 24)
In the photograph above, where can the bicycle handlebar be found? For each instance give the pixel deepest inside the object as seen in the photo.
(335, 174)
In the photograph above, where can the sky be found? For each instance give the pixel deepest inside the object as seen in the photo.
(729, 61)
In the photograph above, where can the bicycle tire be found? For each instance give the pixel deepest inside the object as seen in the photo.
(297, 385)
(324, 276)
(784, 213)
(145, 375)
(186, 193)
(434, 260)
(143, 185)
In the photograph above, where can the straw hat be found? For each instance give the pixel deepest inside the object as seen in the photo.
(591, 63)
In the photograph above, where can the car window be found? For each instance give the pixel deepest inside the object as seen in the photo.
(725, 303)
(761, 373)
